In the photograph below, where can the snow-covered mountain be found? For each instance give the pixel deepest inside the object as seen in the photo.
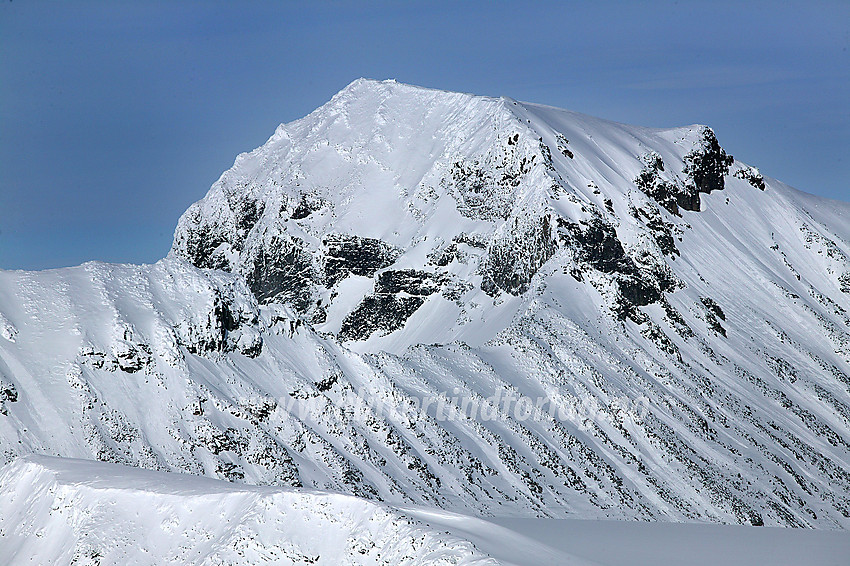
(684, 318)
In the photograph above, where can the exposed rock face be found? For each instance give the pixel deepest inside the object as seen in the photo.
(307, 205)
(379, 312)
(398, 294)
(844, 282)
(595, 245)
(516, 254)
(707, 166)
(444, 256)
(752, 176)
(668, 194)
(8, 394)
(714, 314)
(283, 272)
(409, 281)
(663, 232)
(353, 255)
(201, 245)
(132, 357)
(507, 191)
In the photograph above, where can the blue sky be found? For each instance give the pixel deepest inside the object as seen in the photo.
(117, 116)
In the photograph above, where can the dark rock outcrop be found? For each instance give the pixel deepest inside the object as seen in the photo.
(8, 392)
(378, 312)
(283, 272)
(354, 255)
(132, 357)
(666, 193)
(307, 205)
(844, 282)
(515, 257)
(595, 245)
(714, 314)
(410, 281)
(398, 294)
(199, 244)
(662, 232)
(752, 176)
(221, 332)
(442, 257)
(707, 167)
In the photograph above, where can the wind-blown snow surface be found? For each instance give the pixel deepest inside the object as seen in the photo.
(65, 511)
(402, 242)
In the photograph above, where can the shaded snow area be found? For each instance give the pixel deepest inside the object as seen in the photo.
(61, 511)
(630, 543)
(468, 304)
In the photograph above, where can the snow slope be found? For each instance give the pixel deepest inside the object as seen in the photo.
(65, 511)
(401, 244)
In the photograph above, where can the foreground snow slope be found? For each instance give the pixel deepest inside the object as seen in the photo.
(401, 243)
(61, 511)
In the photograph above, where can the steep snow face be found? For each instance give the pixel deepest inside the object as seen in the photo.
(401, 244)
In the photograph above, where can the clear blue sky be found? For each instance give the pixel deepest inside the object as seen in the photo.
(116, 116)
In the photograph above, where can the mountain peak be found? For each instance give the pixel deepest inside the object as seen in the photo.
(391, 86)
(679, 321)
(409, 173)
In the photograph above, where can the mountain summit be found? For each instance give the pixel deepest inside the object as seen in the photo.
(466, 197)
(683, 318)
